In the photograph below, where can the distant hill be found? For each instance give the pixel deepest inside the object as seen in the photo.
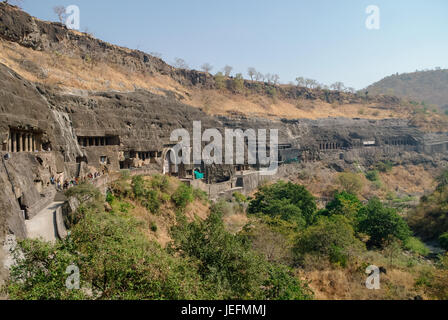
(430, 87)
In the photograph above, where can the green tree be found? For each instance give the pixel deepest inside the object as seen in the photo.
(138, 187)
(443, 240)
(442, 180)
(183, 196)
(228, 265)
(290, 201)
(220, 81)
(115, 260)
(331, 237)
(345, 204)
(382, 223)
(39, 272)
(350, 182)
(372, 175)
(238, 83)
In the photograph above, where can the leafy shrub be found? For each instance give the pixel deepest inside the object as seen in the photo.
(124, 207)
(331, 237)
(381, 223)
(230, 267)
(183, 196)
(116, 262)
(239, 197)
(350, 182)
(220, 81)
(200, 195)
(272, 92)
(282, 284)
(372, 175)
(153, 202)
(84, 192)
(153, 227)
(287, 200)
(160, 182)
(442, 180)
(138, 187)
(415, 245)
(443, 240)
(384, 166)
(430, 220)
(110, 197)
(345, 204)
(238, 83)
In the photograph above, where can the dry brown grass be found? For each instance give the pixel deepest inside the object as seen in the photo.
(72, 73)
(411, 180)
(235, 222)
(75, 73)
(166, 218)
(218, 102)
(344, 284)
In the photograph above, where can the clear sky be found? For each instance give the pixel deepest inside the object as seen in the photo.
(326, 40)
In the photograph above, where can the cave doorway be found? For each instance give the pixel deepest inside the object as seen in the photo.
(23, 208)
(169, 166)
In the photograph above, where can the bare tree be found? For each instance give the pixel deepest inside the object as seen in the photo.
(351, 90)
(275, 78)
(207, 67)
(338, 86)
(227, 70)
(60, 12)
(180, 64)
(313, 84)
(268, 77)
(156, 54)
(309, 83)
(300, 81)
(14, 2)
(251, 72)
(259, 76)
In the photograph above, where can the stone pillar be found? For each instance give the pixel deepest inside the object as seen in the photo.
(25, 142)
(13, 142)
(20, 142)
(9, 142)
(38, 144)
(33, 143)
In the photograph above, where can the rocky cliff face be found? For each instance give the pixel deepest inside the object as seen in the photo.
(93, 131)
(19, 27)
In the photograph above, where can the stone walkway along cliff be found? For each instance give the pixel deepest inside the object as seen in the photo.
(44, 226)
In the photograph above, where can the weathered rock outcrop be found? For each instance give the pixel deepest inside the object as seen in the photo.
(46, 135)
